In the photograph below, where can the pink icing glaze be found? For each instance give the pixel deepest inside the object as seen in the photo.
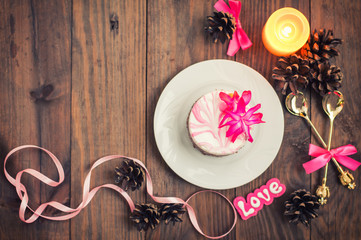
(203, 126)
(255, 201)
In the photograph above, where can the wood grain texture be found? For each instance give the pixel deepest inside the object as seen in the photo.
(108, 109)
(35, 40)
(109, 61)
(339, 219)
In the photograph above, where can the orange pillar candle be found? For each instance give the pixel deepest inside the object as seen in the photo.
(285, 32)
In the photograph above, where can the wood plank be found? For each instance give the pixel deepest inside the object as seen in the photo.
(270, 222)
(35, 40)
(338, 218)
(107, 79)
(176, 40)
(108, 109)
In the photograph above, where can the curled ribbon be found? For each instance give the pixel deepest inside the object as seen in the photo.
(240, 38)
(323, 156)
(89, 194)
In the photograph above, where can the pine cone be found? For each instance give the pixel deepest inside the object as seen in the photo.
(325, 78)
(130, 174)
(221, 26)
(145, 216)
(291, 72)
(170, 212)
(321, 46)
(301, 207)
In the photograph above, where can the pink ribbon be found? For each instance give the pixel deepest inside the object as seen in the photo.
(240, 38)
(323, 156)
(89, 194)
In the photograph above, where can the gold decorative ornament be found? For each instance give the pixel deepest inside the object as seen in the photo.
(297, 105)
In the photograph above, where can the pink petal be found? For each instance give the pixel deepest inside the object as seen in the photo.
(251, 111)
(243, 101)
(227, 115)
(234, 128)
(250, 123)
(229, 123)
(250, 139)
(236, 134)
(235, 95)
(246, 97)
(234, 137)
(256, 116)
(222, 121)
(225, 97)
(223, 106)
(254, 119)
(234, 116)
(241, 107)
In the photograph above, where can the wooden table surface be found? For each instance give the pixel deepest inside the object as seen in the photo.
(108, 62)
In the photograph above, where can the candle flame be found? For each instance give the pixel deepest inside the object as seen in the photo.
(286, 31)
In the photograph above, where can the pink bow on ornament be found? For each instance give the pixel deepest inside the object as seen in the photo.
(240, 38)
(323, 156)
(238, 119)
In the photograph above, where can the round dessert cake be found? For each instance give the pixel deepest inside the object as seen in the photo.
(203, 126)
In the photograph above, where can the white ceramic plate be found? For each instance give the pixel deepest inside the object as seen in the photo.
(171, 134)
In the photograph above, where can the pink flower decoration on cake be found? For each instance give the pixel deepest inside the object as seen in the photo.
(230, 101)
(236, 117)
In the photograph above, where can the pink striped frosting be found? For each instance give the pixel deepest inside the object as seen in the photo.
(203, 128)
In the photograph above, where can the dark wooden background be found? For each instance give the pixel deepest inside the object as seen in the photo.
(106, 86)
